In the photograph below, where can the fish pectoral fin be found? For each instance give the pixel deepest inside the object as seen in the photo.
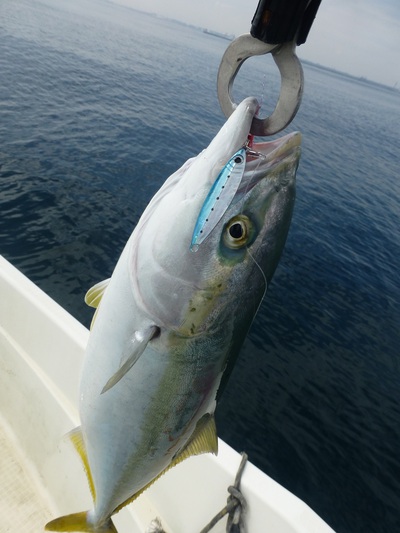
(203, 440)
(95, 294)
(135, 349)
(76, 437)
(78, 522)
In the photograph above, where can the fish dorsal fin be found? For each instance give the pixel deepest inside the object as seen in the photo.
(137, 346)
(76, 437)
(95, 294)
(203, 440)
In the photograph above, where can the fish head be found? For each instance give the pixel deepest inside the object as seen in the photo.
(184, 286)
(242, 251)
(255, 225)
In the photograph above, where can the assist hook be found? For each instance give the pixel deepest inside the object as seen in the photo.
(292, 81)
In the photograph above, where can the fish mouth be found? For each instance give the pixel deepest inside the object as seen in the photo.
(271, 153)
(280, 146)
(275, 160)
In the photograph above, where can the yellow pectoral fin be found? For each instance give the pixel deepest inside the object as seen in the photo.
(203, 440)
(78, 522)
(76, 438)
(95, 294)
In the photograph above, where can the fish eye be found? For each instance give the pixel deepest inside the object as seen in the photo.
(238, 232)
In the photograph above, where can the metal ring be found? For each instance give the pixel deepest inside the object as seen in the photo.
(292, 81)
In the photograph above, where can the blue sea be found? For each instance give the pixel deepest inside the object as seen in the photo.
(99, 104)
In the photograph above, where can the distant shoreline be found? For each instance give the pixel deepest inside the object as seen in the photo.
(227, 36)
(359, 79)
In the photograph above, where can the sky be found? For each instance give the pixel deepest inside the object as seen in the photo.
(360, 37)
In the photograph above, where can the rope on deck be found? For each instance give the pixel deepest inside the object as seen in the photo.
(235, 507)
(155, 526)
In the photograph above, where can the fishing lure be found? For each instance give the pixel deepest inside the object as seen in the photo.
(219, 198)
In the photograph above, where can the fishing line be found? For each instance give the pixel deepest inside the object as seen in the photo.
(259, 156)
(241, 211)
(263, 85)
(263, 277)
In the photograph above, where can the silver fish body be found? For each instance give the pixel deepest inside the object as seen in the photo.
(172, 318)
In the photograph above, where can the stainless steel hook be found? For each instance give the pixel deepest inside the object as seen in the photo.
(292, 81)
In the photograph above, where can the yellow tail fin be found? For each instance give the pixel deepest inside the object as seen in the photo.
(78, 522)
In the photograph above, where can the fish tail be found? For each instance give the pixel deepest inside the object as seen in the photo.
(79, 522)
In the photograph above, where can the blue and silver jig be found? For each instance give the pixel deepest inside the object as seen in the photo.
(219, 198)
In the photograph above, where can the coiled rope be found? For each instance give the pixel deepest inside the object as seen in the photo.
(235, 508)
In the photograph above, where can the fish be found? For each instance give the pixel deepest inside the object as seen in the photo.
(171, 320)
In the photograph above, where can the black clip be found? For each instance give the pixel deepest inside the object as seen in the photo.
(280, 21)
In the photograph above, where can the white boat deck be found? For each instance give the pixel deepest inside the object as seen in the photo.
(23, 506)
(41, 351)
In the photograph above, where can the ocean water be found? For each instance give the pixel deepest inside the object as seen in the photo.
(98, 105)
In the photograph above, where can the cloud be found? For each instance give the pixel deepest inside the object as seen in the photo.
(360, 37)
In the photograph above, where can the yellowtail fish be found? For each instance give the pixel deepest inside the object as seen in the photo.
(171, 320)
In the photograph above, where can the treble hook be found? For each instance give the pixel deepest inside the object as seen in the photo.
(292, 81)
